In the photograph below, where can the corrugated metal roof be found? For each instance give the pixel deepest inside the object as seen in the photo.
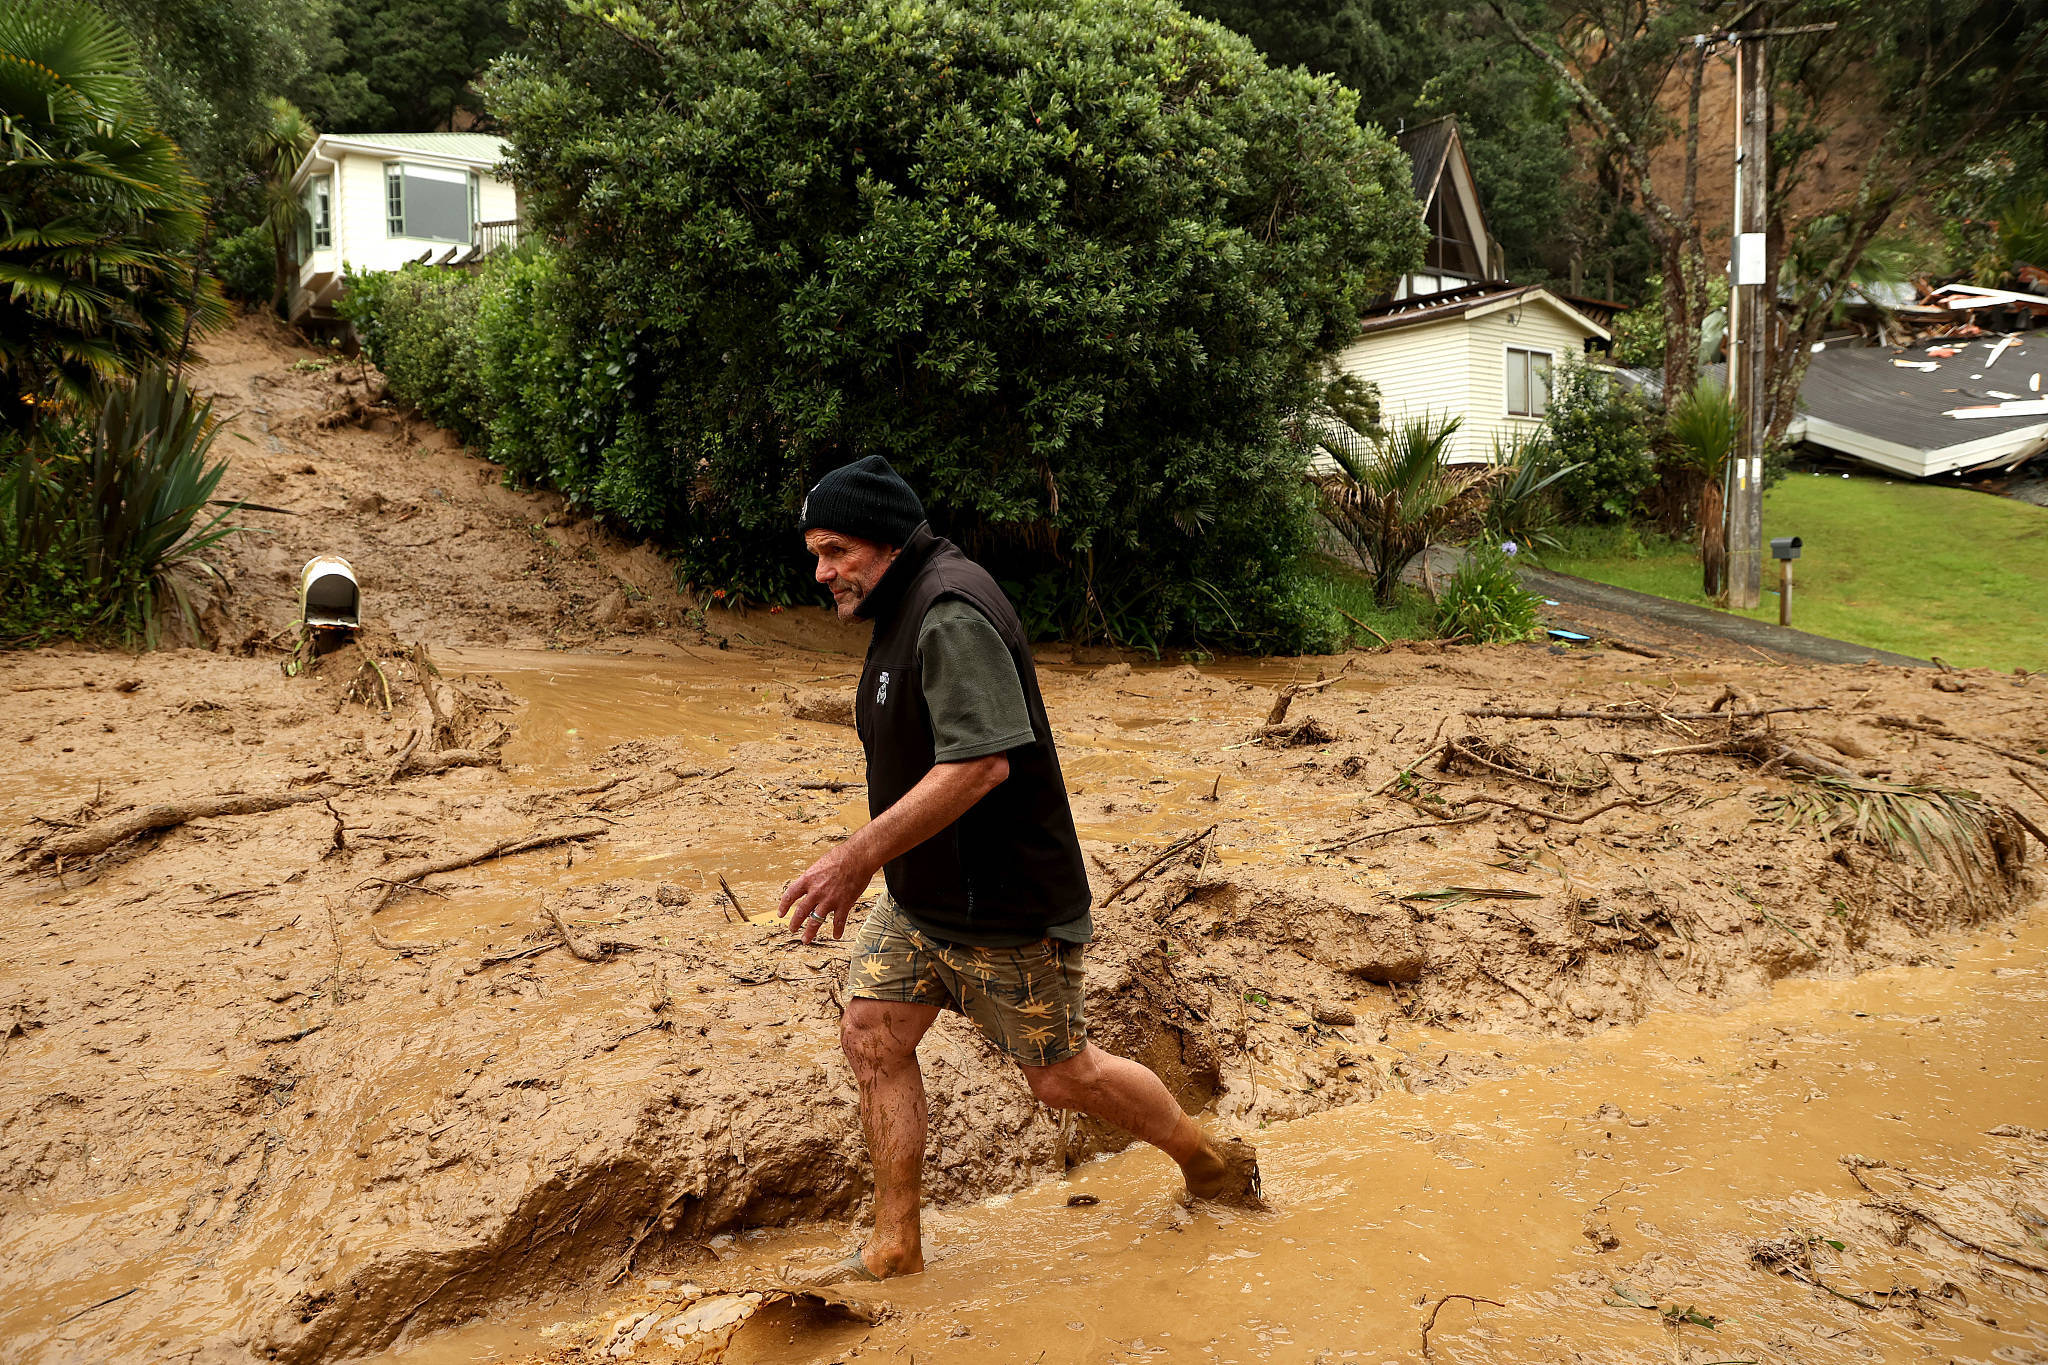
(458, 146)
(1859, 387)
(1431, 307)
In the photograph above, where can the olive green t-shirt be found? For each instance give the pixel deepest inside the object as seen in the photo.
(976, 703)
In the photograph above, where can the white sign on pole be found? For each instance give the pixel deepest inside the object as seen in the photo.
(1749, 258)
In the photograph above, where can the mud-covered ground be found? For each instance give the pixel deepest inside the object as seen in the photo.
(273, 1089)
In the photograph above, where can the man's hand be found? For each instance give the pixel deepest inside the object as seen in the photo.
(826, 890)
(829, 887)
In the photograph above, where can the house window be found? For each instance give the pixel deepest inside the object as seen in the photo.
(1528, 382)
(316, 224)
(428, 203)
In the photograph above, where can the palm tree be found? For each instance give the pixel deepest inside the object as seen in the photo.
(1393, 496)
(279, 149)
(1701, 427)
(100, 221)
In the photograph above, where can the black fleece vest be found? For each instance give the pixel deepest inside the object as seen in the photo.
(1012, 862)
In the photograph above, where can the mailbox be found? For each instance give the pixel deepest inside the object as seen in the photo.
(1785, 547)
(328, 596)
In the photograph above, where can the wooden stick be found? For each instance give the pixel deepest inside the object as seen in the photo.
(726, 887)
(1293, 690)
(1639, 714)
(1469, 1298)
(102, 835)
(1569, 819)
(1364, 627)
(1419, 824)
(427, 867)
(1410, 766)
(1178, 846)
(1941, 731)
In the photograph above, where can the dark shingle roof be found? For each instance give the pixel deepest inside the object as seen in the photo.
(1427, 144)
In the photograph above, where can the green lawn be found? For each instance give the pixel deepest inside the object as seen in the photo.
(1910, 567)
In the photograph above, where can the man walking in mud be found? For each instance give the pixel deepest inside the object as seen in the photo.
(987, 911)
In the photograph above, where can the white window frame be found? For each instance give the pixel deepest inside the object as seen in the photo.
(395, 223)
(1509, 356)
(322, 213)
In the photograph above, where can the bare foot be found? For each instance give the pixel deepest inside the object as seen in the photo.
(1226, 1172)
(863, 1265)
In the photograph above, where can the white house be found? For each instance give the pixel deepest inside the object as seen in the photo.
(1484, 352)
(376, 201)
(1456, 338)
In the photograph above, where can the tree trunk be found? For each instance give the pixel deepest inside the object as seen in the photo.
(1713, 541)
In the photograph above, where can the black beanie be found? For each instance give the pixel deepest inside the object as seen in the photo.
(868, 499)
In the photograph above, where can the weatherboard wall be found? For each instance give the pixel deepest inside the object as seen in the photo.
(1419, 370)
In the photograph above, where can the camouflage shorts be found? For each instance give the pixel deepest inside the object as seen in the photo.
(1026, 1000)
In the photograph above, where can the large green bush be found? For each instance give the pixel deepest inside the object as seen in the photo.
(420, 325)
(1068, 265)
(1604, 430)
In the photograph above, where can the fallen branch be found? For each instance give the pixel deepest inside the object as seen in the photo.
(1634, 713)
(102, 835)
(1293, 690)
(587, 950)
(418, 764)
(1439, 1307)
(1541, 814)
(1470, 749)
(514, 955)
(1178, 846)
(1899, 1208)
(1641, 651)
(1397, 829)
(1940, 731)
(1364, 627)
(427, 867)
(1411, 765)
(1767, 750)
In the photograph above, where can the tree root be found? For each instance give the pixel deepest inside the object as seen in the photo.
(104, 834)
(405, 876)
(1429, 1326)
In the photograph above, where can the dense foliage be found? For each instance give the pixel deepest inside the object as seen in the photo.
(1069, 266)
(400, 65)
(100, 222)
(104, 519)
(1604, 430)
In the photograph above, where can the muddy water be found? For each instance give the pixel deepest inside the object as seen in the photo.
(1686, 1138)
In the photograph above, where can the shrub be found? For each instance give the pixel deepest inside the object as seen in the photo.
(246, 264)
(419, 325)
(1394, 496)
(1603, 430)
(1484, 600)
(1070, 266)
(1520, 506)
(101, 524)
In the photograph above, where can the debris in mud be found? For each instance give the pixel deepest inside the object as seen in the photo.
(701, 1326)
(1476, 754)
(1303, 734)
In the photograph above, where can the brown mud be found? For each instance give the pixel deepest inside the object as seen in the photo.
(271, 1091)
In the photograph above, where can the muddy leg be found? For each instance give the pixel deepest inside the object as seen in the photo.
(880, 1041)
(1129, 1095)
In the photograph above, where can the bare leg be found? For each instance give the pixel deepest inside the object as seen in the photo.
(880, 1040)
(1122, 1092)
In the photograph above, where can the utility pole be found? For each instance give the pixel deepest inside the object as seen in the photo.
(1751, 311)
